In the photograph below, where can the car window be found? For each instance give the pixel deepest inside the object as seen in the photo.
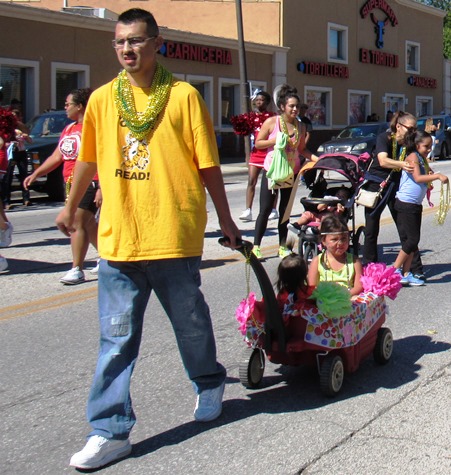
(361, 131)
(48, 125)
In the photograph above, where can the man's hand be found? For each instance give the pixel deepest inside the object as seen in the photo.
(64, 222)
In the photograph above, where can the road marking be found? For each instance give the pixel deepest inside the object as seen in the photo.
(48, 303)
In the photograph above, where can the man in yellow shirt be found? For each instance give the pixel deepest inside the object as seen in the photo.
(152, 142)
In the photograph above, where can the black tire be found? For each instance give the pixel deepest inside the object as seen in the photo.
(384, 346)
(444, 152)
(55, 185)
(357, 242)
(332, 375)
(310, 252)
(252, 367)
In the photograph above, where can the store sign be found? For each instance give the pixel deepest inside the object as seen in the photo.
(379, 27)
(189, 52)
(378, 58)
(323, 69)
(419, 81)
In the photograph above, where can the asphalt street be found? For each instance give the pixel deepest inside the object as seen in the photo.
(387, 420)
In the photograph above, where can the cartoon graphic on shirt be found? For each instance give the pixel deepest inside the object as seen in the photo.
(135, 159)
(70, 146)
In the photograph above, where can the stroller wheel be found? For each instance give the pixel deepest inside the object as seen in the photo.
(384, 346)
(252, 367)
(357, 242)
(332, 375)
(307, 251)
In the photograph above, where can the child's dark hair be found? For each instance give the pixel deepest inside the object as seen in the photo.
(291, 274)
(286, 92)
(413, 140)
(333, 224)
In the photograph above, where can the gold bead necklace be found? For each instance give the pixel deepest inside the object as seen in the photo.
(141, 123)
(293, 144)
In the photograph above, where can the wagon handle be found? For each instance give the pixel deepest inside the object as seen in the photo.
(274, 327)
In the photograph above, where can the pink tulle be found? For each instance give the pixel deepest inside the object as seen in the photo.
(381, 280)
(244, 311)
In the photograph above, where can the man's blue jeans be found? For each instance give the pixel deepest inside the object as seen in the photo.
(124, 290)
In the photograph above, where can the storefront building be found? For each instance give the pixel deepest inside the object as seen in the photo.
(349, 59)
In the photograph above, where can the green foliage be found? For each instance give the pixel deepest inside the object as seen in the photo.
(446, 6)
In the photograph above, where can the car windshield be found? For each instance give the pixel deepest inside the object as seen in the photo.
(48, 125)
(359, 131)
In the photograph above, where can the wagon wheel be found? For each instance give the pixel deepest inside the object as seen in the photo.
(384, 346)
(331, 375)
(357, 242)
(252, 366)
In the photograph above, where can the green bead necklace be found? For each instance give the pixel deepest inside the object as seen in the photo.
(141, 123)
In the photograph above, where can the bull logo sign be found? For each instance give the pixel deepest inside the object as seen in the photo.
(379, 24)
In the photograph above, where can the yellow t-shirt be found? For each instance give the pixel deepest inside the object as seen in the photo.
(154, 201)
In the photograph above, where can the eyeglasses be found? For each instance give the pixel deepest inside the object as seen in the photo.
(409, 129)
(135, 42)
(67, 104)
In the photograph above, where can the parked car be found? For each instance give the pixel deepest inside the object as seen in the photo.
(442, 145)
(45, 130)
(355, 139)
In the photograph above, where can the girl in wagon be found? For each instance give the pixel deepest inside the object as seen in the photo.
(335, 264)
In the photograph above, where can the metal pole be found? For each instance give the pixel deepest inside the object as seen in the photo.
(244, 85)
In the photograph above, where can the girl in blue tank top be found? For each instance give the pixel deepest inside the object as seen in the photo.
(412, 190)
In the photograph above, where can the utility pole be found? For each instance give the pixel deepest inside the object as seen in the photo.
(244, 84)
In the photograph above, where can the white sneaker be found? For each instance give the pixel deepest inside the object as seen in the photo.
(3, 264)
(246, 215)
(95, 270)
(99, 452)
(209, 404)
(274, 214)
(6, 235)
(73, 277)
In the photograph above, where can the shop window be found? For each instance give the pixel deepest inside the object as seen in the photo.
(229, 102)
(394, 103)
(412, 57)
(319, 100)
(359, 103)
(19, 81)
(424, 106)
(204, 84)
(337, 43)
(64, 78)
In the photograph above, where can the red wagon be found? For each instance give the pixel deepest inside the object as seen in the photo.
(304, 335)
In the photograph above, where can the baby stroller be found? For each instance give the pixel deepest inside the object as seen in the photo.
(326, 180)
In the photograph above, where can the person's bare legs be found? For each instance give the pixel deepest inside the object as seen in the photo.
(85, 232)
(254, 172)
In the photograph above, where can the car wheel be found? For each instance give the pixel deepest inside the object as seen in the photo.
(55, 185)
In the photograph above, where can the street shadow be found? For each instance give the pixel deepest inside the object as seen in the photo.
(297, 389)
(22, 266)
(212, 263)
(44, 243)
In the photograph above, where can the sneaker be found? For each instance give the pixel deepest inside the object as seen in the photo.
(257, 252)
(274, 214)
(246, 215)
(410, 280)
(99, 452)
(6, 235)
(294, 228)
(73, 277)
(3, 264)
(209, 404)
(284, 252)
(95, 270)
(420, 277)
